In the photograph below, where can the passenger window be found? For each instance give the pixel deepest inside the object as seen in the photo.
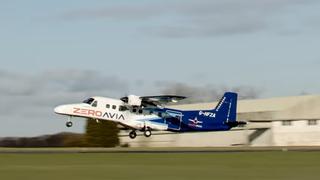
(122, 108)
(140, 111)
(312, 122)
(134, 110)
(114, 107)
(286, 123)
(108, 106)
(95, 104)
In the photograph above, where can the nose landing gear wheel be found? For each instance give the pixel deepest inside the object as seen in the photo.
(69, 124)
(147, 133)
(133, 134)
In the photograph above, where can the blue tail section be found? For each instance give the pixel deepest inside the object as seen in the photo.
(223, 117)
(226, 109)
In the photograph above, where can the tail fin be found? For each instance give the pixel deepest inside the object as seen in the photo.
(227, 107)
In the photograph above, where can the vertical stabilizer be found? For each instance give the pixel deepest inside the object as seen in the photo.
(227, 107)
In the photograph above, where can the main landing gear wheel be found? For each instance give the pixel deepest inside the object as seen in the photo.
(147, 133)
(133, 134)
(69, 124)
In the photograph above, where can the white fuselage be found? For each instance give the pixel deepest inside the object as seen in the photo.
(101, 108)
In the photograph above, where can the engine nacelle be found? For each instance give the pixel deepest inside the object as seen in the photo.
(134, 100)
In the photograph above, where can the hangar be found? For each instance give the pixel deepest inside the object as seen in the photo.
(285, 121)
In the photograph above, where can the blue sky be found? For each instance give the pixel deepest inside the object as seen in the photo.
(48, 47)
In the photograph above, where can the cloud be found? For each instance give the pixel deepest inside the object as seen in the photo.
(123, 12)
(27, 101)
(84, 81)
(195, 18)
(206, 93)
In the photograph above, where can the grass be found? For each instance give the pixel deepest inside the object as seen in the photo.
(114, 166)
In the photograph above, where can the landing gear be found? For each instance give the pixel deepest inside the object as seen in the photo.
(69, 124)
(133, 134)
(147, 132)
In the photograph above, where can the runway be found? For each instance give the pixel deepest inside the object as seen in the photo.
(154, 150)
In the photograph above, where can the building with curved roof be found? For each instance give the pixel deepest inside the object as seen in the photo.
(283, 121)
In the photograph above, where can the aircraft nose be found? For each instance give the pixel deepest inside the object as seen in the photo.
(60, 109)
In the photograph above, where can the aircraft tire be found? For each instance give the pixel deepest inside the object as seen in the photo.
(133, 134)
(147, 133)
(69, 124)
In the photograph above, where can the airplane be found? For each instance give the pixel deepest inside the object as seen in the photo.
(147, 114)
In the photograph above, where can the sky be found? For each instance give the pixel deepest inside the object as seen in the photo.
(56, 52)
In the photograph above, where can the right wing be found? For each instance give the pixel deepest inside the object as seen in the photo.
(151, 101)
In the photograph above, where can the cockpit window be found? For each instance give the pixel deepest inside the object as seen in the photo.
(95, 104)
(88, 101)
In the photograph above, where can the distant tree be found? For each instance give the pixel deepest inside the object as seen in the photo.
(53, 140)
(102, 134)
(74, 140)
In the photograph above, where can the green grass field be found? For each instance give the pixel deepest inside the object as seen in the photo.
(195, 166)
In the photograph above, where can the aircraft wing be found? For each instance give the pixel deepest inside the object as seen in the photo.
(159, 100)
(153, 101)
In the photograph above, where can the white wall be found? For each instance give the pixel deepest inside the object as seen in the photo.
(298, 134)
(263, 140)
(203, 139)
